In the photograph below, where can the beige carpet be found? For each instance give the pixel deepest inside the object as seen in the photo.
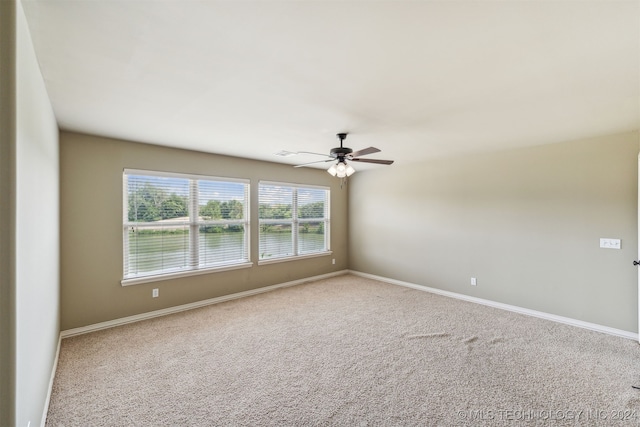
(346, 351)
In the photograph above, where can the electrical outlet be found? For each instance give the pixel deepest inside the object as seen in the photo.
(610, 243)
(155, 293)
(474, 281)
(333, 261)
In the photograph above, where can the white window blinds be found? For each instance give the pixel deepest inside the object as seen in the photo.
(294, 220)
(178, 223)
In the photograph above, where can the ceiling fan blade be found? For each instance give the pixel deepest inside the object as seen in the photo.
(312, 163)
(365, 151)
(317, 154)
(380, 162)
(285, 153)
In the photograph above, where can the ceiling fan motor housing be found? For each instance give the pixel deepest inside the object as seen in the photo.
(340, 152)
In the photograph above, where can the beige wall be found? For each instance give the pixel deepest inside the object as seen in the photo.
(526, 223)
(37, 242)
(91, 228)
(7, 210)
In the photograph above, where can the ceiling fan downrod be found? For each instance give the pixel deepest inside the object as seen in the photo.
(341, 152)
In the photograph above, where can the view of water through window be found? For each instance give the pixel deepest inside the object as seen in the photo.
(175, 223)
(283, 207)
(170, 251)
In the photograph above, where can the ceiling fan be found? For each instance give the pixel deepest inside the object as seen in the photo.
(341, 154)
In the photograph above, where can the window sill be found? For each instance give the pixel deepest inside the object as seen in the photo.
(169, 276)
(293, 258)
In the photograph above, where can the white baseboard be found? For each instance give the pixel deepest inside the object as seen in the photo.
(157, 313)
(513, 308)
(54, 368)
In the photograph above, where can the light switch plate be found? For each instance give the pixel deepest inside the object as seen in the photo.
(610, 243)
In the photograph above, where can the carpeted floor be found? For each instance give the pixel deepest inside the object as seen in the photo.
(346, 351)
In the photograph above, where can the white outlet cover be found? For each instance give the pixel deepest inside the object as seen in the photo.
(473, 281)
(607, 243)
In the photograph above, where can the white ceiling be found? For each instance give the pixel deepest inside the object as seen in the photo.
(417, 79)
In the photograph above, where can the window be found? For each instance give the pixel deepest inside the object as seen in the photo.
(294, 220)
(183, 224)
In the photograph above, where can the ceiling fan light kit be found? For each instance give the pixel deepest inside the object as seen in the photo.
(341, 170)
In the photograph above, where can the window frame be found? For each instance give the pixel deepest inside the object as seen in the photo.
(194, 223)
(295, 222)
